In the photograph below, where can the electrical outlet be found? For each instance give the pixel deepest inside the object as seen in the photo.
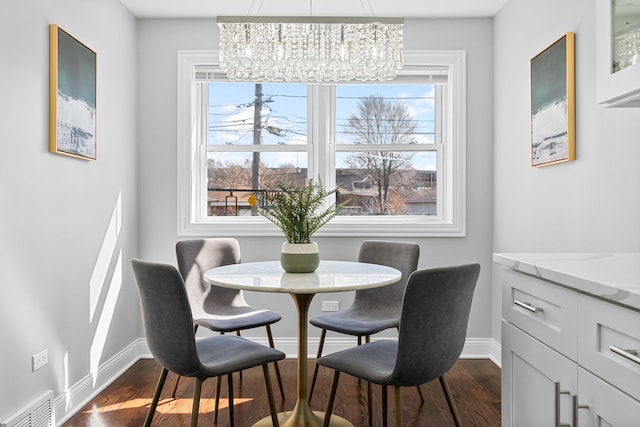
(38, 360)
(330, 305)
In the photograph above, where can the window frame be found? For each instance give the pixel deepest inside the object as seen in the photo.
(192, 174)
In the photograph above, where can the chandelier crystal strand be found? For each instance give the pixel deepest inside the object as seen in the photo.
(310, 49)
(626, 50)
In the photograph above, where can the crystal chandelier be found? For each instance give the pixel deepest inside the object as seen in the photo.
(310, 49)
(626, 50)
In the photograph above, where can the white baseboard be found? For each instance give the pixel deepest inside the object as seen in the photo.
(78, 394)
(495, 354)
(474, 348)
(73, 399)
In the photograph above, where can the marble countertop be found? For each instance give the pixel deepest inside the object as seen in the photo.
(612, 276)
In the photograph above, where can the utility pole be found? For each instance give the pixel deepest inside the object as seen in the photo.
(257, 129)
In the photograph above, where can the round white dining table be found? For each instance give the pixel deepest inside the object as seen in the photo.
(331, 276)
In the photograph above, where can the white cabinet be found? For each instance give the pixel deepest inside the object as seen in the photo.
(537, 382)
(603, 405)
(558, 366)
(617, 52)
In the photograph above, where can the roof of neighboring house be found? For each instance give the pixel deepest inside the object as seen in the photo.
(429, 195)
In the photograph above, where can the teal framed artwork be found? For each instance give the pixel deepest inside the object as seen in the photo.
(72, 96)
(553, 107)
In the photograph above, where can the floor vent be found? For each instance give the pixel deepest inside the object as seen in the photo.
(38, 414)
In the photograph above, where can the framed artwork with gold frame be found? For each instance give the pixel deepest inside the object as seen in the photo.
(553, 106)
(72, 96)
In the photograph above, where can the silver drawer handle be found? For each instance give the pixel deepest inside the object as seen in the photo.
(628, 354)
(528, 306)
(556, 405)
(576, 406)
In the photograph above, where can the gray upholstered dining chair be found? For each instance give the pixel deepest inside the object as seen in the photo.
(432, 332)
(219, 309)
(168, 326)
(372, 310)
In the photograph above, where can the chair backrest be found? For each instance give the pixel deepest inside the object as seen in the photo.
(433, 323)
(199, 255)
(167, 318)
(402, 256)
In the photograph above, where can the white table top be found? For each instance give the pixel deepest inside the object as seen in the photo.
(331, 276)
(612, 276)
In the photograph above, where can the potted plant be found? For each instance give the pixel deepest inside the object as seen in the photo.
(298, 212)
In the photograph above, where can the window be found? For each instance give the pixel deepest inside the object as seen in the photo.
(396, 150)
(256, 136)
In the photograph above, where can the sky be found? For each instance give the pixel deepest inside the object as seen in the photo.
(284, 116)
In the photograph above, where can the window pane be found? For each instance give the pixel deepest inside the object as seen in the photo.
(383, 181)
(233, 108)
(387, 182)
(385, 114)
(231, 177)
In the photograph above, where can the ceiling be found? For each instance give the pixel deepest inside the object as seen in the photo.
(397, 8)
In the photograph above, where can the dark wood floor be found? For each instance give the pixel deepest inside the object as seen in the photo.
(475, 385)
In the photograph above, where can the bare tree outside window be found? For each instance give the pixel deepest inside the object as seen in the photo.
(383, 122)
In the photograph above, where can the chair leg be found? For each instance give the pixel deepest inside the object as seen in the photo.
(398, 406)
(275, 364)
(359, 344)
(332, 396)
(156, 397)
(175, 387)
(450, 402)
(195, 408)
(272, 403)
(315, 369)
(230, 381)
(240, 372)
(384, 405)
(420, 394)
(215, 417)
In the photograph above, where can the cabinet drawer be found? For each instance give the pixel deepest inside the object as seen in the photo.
(609, 335)
(544, 310)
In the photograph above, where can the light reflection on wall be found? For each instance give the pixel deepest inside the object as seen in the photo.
(101, 314)
(104, 322)
(101, 268)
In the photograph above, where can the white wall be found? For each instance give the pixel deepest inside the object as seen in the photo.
(158, 42)
(60, 245)
(68, 228)
(592, 204)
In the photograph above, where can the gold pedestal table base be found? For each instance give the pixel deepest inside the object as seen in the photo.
(311, 418)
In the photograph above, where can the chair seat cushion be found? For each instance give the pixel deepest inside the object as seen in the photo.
(356, 322)
(236, 318)
(224, 354)
(372, 362)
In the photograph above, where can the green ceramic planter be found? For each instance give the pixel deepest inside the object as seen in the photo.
(299, 257)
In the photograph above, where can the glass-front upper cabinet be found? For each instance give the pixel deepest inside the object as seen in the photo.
(618, 52)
